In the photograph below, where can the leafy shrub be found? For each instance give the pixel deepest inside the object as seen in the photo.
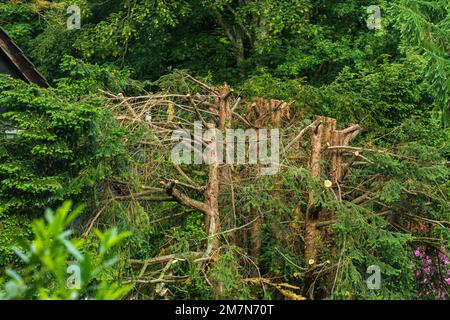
(51, 252)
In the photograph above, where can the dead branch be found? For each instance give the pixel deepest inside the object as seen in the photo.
(170, 188)
(166, 258)
(298, 137)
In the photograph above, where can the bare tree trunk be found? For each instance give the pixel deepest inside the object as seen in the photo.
(212, 201)
(218, 174)
(320, 138)
(324, 135)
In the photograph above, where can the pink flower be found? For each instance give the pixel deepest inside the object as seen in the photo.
(427, 270)
(443, 257)
(447, 281)
(417, 252)
(446, 260)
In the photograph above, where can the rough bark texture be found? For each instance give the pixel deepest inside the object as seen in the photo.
(324, 135)
(321, 135)
(212, 200)
(218, 175)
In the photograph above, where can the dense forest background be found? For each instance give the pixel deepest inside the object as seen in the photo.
(145, 228)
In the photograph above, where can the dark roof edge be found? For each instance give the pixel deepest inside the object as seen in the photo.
(25, 67)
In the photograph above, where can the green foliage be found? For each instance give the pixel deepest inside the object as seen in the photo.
(319, 56)
(379, 96)
(412, 182)
(365, 241)
(426, 24)
(14, 229)
(50, 253)
(190, 236)
(80, 78)
(229, 274)
(63, 148)
(382, 96)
